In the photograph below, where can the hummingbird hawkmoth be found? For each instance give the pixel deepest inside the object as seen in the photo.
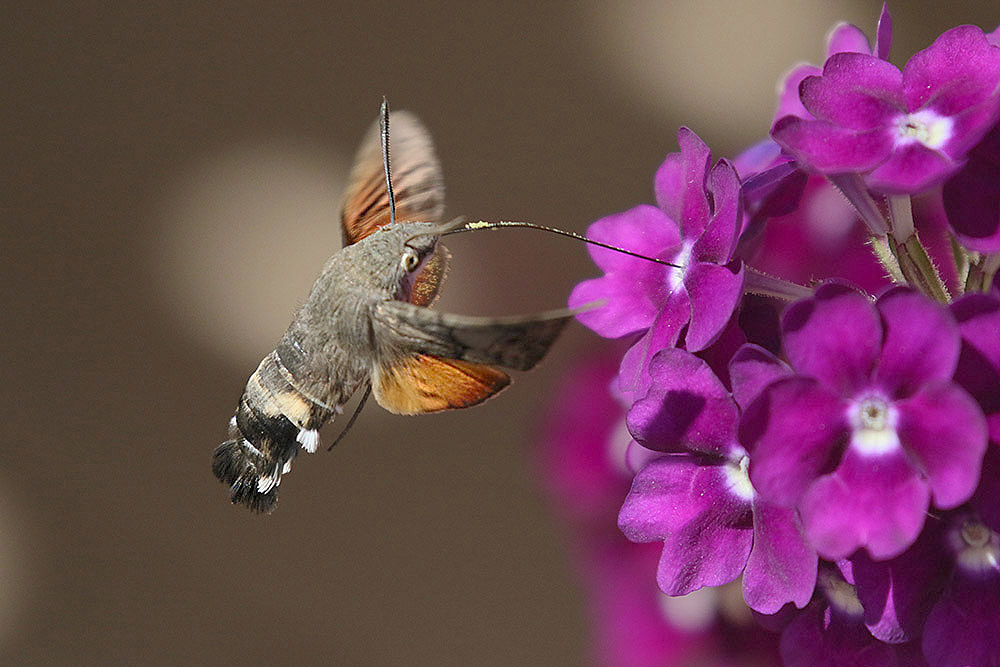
(367, 323)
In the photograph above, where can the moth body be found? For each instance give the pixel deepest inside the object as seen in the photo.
(326, 354)
(367, 323)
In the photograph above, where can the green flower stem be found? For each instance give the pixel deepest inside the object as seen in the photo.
(918, 269)
(981, 272)
(884, 252)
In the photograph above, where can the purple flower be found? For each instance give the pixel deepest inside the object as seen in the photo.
(871, 426)
(972, 197)
(898, 594)
(843, 38)
(822, 238)
(905, 130)
(837, 457)
(695, 226)
(963, 627)
(631, 625)
(978, 371)
(830, 631)
(698, 499)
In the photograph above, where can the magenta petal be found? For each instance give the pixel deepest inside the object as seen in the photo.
(830, 148)
(782, 566)
(789, 103)
(706, 529)
(921, 342)
(883, 34)
(715, 292)
(791, 431)
(911, 169)
(857, 91)
(960, 69)
(874, 502)
(718, 240)
(637, 457)
(943, 429)
(970, 126)
(644, 230)
(680, 184)
(751, 369)
(978, 370)
(847, 38)
(896, 593)
(836, 337)
(686, 407)
(633, 290)
(633, 378)
(694, 210)
(626, 307)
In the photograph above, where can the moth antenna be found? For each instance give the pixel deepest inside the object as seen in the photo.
(354, 417)
(384, 131)
(483, 224)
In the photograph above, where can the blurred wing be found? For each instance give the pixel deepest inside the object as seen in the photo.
(512, 342)
(420, 383)
(416, 180)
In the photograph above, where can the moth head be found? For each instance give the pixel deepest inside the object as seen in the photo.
(412, 248)
(415, 251)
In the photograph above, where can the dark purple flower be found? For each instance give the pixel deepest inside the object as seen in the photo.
(972, 197)
(963, 628)
(898, 594)
(871, 426)
(830, 632)
(698, 499)
(905, 130)
(978, 371)
(695, 226)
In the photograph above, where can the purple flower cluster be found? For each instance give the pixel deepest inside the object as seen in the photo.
(811, 387)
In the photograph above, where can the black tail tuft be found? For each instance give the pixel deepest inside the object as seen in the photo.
(234, 465)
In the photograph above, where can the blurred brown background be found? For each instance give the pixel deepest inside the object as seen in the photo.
(171, 182)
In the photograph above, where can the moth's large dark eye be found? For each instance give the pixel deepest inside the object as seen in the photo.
(410, 261)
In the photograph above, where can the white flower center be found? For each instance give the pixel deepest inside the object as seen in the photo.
(737, 473)
(873, 422)
(840, 594)
(675, 276)
(976, 547)
(925, 127)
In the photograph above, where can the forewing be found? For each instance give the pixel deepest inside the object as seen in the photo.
(416, 180)
(420, 383)
(517, 342)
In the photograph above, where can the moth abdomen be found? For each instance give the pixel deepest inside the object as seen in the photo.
(272, 421)
(235, 465)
